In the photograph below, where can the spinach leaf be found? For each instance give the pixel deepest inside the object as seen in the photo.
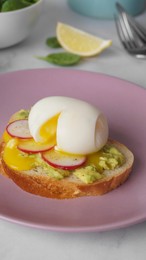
(62, 58)
(12, 5)
(1, 3)
(53, 42)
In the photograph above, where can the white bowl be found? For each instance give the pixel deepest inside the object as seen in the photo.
(17, 25)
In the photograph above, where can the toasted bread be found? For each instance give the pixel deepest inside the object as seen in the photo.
(39, 183)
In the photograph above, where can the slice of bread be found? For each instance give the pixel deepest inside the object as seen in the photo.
(39, 183)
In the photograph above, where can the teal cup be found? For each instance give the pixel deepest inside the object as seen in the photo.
(105, 9)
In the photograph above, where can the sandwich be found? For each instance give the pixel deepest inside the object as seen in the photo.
(61, 149)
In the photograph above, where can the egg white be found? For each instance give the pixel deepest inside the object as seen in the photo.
(81, 127)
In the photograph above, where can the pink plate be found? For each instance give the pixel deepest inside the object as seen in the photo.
(125, 106)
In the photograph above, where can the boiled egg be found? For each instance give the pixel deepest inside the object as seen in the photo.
(76, 126)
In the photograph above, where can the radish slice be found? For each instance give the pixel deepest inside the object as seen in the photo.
(19, 128)
(32, 147)
(63, 161)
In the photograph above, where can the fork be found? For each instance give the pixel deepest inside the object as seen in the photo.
(131, 33)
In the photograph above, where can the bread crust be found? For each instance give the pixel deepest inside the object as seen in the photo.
(42, 185)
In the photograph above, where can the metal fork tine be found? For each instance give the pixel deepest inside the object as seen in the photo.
(127, 34)
(126, 44)
(121, 34)
(131, 36)
(139, 30)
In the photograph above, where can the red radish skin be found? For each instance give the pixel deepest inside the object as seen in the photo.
(31, 147)
(16, 128)
(63, 167)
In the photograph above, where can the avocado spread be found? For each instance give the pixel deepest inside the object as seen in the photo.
(108, 158)
(88, 174)
(22, 114)
(57, 174)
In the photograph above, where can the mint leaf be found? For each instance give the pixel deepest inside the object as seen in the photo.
(53, 42)
(62, 58)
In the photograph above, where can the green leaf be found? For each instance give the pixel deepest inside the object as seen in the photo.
(29, 2)
(12, 5)
(26, 2)
(53, 42)
(1, 3)
(62, 58)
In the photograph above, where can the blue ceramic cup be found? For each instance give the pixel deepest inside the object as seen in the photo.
(105, 9)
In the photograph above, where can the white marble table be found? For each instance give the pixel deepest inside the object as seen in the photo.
(19, 242)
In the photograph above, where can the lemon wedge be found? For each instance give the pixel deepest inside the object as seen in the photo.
(79, 42)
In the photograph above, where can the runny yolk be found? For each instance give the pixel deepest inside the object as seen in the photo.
(48, 130)
(6, 137)
(93, 159)
(16, 159)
